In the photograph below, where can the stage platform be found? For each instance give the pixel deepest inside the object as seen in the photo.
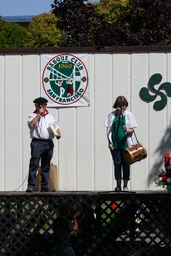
(18, 193)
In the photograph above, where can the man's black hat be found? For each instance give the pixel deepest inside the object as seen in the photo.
(40, 99)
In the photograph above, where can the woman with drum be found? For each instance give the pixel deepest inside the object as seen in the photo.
(120, 127)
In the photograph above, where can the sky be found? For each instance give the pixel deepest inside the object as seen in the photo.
(25, 7)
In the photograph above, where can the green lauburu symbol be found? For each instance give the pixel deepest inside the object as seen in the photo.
(146, 96)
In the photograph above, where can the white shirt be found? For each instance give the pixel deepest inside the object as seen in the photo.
(129, 122)
(41, 129)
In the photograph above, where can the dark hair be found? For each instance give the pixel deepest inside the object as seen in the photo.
(63, 209)
(120, 100)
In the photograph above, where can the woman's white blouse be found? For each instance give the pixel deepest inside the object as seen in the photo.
(130, 123)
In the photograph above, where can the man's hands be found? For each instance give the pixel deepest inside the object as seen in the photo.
(41, 111)
(58, 136)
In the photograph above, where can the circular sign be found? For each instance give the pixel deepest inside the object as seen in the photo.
(65, 79)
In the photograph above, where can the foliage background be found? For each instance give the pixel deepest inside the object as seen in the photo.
(43, 32)
(107, 23)
(12, 35)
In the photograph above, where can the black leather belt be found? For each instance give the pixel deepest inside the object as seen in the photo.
(35, 139)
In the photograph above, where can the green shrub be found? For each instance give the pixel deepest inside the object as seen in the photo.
(43, 32)
(12, 35)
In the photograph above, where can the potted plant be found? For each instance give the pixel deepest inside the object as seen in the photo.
(164, 176)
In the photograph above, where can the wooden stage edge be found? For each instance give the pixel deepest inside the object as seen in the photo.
(91, 193)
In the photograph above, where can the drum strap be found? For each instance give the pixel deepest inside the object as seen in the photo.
(139, 143)
(136, 137)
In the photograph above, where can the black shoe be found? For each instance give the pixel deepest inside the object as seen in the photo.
(29, 189)
(48, 189)
(118, 189)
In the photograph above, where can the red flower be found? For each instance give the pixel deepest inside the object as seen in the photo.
(166, 160)
(164, 178)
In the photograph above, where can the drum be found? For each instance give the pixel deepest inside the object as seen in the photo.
(135, 153)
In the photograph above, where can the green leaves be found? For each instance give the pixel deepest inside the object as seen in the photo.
(12, 35)
(43, 32)
(115, 22)
(107, 23)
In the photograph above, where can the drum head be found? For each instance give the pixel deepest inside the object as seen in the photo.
(127, 156)
(134, 154)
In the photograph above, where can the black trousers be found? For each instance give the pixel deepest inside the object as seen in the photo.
(40, 150)
(121, 162)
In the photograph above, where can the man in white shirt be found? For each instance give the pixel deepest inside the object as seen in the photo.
(42, 144)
